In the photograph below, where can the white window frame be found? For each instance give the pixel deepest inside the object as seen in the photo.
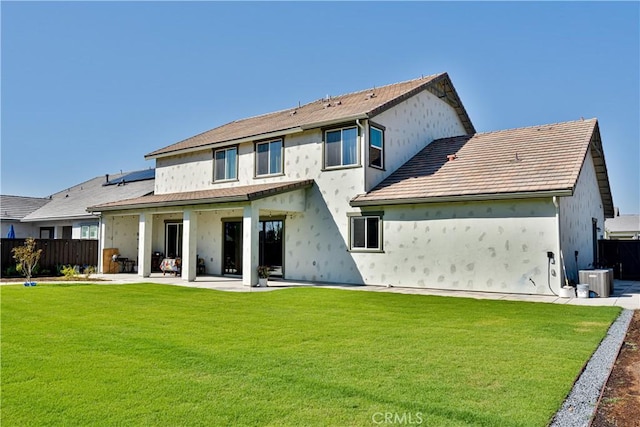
(372, 147)
(89, 231)
(367, 217)
(341, 164)
(281, 163)
(226, 166)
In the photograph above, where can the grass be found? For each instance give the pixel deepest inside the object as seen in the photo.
(164, 355)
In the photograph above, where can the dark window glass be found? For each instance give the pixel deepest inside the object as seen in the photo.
(225, 164)
(332, 148)
(376, 147)
(263, 159)
(372, 233)
(349, 146)
(358, 230)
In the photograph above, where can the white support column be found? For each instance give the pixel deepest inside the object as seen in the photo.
(250, 242)
(189, 245)
(103, 235)
(145, 233)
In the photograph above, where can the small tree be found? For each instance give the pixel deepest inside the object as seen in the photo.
(27, 257)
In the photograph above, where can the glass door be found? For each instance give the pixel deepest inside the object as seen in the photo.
(232, 248)
(173, 240)
(271, 247)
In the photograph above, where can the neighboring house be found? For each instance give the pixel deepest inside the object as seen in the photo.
(66, 216)
(622, 227)
(388, 186)
(13, 209)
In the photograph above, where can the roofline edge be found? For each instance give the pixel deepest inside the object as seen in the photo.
(463, 198)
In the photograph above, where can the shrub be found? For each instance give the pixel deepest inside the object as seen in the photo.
(263, 271)
(68, 271)
(27, 257)
(89, 270)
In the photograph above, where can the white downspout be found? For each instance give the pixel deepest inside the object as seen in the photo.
(362, 154)
(563, 270)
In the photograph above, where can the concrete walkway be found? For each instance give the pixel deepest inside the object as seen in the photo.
(626, 293)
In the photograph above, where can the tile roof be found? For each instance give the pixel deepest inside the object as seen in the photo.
(17, 207)
(72, 203)
(362, 104)
(521, 161)
(218, 195)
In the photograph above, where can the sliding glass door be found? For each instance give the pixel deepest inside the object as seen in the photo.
(271, 247)
(173, 240)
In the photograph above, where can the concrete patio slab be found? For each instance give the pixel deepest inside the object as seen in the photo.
(626, 293)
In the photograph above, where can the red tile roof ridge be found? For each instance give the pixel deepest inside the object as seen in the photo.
(331, 97)
(545, 125)
(373, 88)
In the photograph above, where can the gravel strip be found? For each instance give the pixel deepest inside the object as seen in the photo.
(580, 406)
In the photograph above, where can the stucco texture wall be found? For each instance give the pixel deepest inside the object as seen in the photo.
(481, 246)
(185, 172)
(409, 127)
(121, 231)
(576, 213)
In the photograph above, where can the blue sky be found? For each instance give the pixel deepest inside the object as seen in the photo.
(90, 88)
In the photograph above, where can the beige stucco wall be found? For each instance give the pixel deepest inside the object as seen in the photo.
(316, 239)
(409, 127)
(121, 231)
(576, 213)
(493, 246)
(185, 172)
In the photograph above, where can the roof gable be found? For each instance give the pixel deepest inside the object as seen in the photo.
(352, 106)
(520, 162)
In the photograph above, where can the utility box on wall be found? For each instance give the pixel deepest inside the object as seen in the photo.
(599, 281)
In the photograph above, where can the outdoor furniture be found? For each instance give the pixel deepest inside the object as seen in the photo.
(170, 265)
(156, 259)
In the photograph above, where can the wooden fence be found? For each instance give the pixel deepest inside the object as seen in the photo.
(55, 252)
(621, 255)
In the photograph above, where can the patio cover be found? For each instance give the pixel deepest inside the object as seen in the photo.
(218, 195)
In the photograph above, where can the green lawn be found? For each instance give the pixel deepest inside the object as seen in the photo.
(165, 355)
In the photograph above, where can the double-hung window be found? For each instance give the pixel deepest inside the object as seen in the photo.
(365, 232)
(225, 164)
(376, 147)
(341, 147)
(269, 158)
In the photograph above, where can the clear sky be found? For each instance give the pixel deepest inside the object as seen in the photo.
(89, 88)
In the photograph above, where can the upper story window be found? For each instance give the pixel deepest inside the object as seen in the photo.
(365, 232)
(341, 147)
(269, 158)
(376, 147)
(225, 164)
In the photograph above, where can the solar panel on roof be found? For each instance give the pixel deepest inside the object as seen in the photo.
(142, 175)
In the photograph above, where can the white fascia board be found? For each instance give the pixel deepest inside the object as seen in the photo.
(61, 218)
(218, 200)
(463, 198)
(326, 123)
(228, 142)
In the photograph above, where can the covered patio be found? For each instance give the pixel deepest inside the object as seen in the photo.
(221, 227)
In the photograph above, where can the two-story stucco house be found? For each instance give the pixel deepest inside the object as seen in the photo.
(387, 186)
